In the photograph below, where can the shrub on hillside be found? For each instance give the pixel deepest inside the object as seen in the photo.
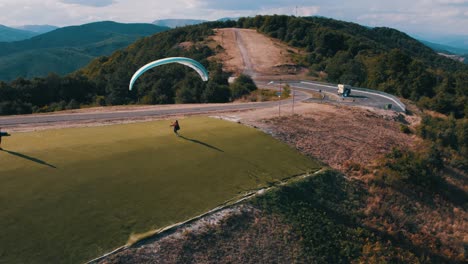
(242, 85)
(421, 169)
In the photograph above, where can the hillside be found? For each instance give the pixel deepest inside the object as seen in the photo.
(333, 51)
(40, 62)
(376, 58)
(361, 211)
(8, 34)
(398, 189)
(38, 56)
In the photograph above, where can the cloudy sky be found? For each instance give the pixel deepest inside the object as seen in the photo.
(421, 17)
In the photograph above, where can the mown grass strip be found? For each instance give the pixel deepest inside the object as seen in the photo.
(70, 195)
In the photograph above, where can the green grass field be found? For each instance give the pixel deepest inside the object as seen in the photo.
(69, 195)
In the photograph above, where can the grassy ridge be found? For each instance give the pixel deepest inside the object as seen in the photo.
(69, 195)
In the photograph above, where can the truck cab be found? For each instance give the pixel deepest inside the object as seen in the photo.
(344, 90)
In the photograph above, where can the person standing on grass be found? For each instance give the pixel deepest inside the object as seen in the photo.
(176, 127)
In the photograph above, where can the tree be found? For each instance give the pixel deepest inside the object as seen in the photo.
(242, 85)
(215, 93)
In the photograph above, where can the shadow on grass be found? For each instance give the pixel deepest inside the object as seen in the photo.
(202, 143)
(28, 158)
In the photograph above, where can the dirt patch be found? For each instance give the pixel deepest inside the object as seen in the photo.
(265, 55)
(186, 45)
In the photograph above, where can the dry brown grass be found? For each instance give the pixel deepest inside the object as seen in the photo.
(353, 140)
(247, 236)
(341, 135)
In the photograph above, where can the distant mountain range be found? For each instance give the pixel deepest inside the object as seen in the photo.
(173, 23)
(445, 48)
(67, 49)
(8, 34)
(40, 29)
(458, 54)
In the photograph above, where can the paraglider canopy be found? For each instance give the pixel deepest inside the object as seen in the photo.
(181, 60)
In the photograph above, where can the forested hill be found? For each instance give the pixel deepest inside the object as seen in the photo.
(105, 80)
(376, 58)
(84, 36)
(8, 34)
(168, 84)
(67, 49)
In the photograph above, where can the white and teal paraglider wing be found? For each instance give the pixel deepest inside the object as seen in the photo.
(181, 60)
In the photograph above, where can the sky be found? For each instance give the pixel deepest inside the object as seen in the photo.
(416, 17)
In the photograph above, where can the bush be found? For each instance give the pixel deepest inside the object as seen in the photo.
(405, 129)
(286, 92)
(242, 85)
(421, 169)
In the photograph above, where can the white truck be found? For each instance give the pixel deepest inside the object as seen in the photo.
(344, 90)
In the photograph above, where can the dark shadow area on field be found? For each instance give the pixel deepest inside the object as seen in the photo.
(202, 143)
(28, 158)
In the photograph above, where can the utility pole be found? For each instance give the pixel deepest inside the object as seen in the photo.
(279, 101)
(292, 90)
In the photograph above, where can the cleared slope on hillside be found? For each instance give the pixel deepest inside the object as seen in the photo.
(246, 50)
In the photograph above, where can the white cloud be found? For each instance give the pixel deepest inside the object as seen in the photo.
(453, 1)
(291, 10)
(97, 3)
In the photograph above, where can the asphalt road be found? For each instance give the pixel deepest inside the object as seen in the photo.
(357, 98)
(12, 121)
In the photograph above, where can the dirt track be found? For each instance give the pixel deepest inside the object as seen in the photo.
(248, 50)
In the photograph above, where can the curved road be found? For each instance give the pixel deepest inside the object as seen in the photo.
(358, 98)
(12, 121)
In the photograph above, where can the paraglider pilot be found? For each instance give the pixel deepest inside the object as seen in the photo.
(176, 127)
(2, 134)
